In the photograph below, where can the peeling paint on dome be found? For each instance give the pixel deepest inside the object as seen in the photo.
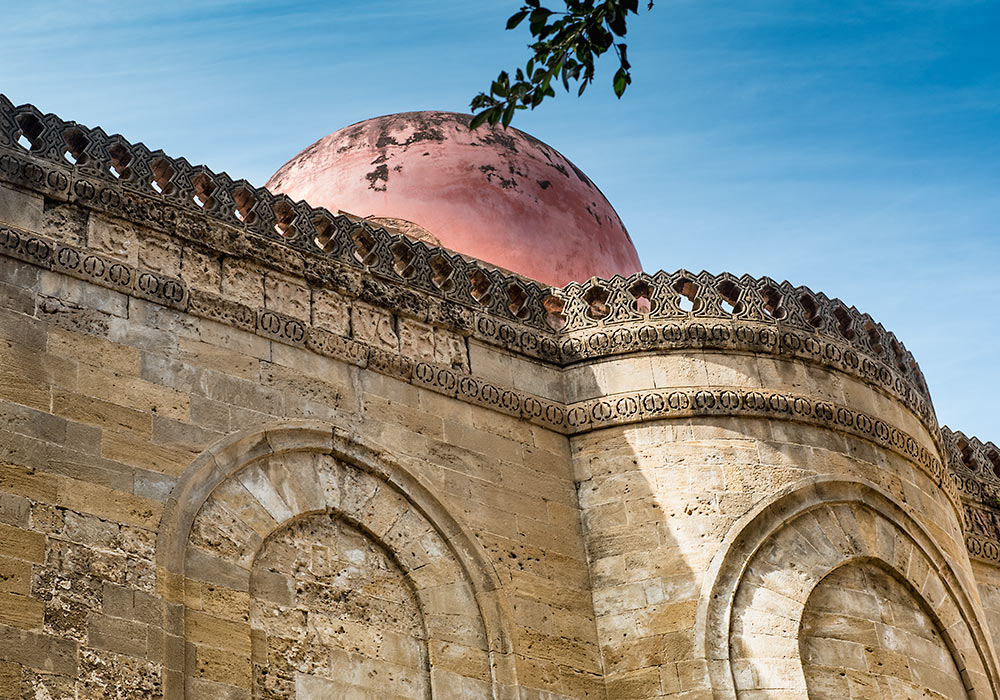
(501, 196)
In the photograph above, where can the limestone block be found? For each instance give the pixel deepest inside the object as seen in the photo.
(287, 295)
(373, 326)
(200, 270)
(490, 363)
(601, 378)
(217, 633)
(22, 544)
(112, 237)
(642, 683)
(449, 686)
(256, 481)
(331, 312)
(459, 659)
(78, 293)
(23, 210)
(94, 351)
(39, 651)
(242, 282)
(21, 391)
(22, 282)
(14, 510)
(132, 392)
(416, 340)
(117, 635)
(224, 535)
(450, 350)
(140, 452)
(221, 666)
(21, 611)
(159, 254)
(293, 478)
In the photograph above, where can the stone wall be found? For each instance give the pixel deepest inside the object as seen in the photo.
(689, 595)
(864, 635)
(252, 450)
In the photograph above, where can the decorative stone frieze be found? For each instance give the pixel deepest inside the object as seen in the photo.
(74, 163)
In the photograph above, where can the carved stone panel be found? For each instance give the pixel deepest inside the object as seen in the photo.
(332, 615)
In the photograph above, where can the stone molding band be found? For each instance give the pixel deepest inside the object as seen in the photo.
(569, 419)
(75, 163)
(976, 465)
(744, 337)
(975, 468)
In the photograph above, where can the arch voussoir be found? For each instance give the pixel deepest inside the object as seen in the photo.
(242, 494)
(755, 601)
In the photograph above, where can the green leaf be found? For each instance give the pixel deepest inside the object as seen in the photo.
(622, 79)
(516, 19)
(617, 23)
(538, 19)
(479, 119)
(508, 114)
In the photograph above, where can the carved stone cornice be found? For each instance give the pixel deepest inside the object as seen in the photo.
(974, 466)
(569, 419)
(70, 162)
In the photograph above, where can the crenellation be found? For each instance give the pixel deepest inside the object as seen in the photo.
(754, 300)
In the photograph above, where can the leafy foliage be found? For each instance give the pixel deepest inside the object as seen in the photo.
(565, 49)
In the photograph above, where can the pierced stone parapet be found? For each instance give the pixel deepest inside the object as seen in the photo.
(975, 467)
(686, 296)
(134, 168)
(597, 318)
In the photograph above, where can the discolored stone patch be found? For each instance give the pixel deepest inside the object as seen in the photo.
(333, 616)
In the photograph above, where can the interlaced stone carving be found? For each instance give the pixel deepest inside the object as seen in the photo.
(974, 465)
(589, 305)
(581, 320)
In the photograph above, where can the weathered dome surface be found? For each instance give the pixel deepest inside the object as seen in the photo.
(498, 195)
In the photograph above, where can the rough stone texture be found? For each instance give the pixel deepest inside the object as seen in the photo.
(863, 635)
(445, 476)
(330, 614)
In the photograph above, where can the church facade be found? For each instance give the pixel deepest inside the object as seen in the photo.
(253, 449)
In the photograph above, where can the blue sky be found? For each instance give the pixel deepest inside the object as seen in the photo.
(853, 147)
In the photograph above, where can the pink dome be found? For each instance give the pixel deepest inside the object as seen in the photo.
(498, 195)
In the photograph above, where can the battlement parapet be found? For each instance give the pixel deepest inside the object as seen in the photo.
(580, 321)
(975, 465)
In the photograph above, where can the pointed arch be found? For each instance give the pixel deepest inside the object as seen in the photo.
(773, 558)
(255, 482)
